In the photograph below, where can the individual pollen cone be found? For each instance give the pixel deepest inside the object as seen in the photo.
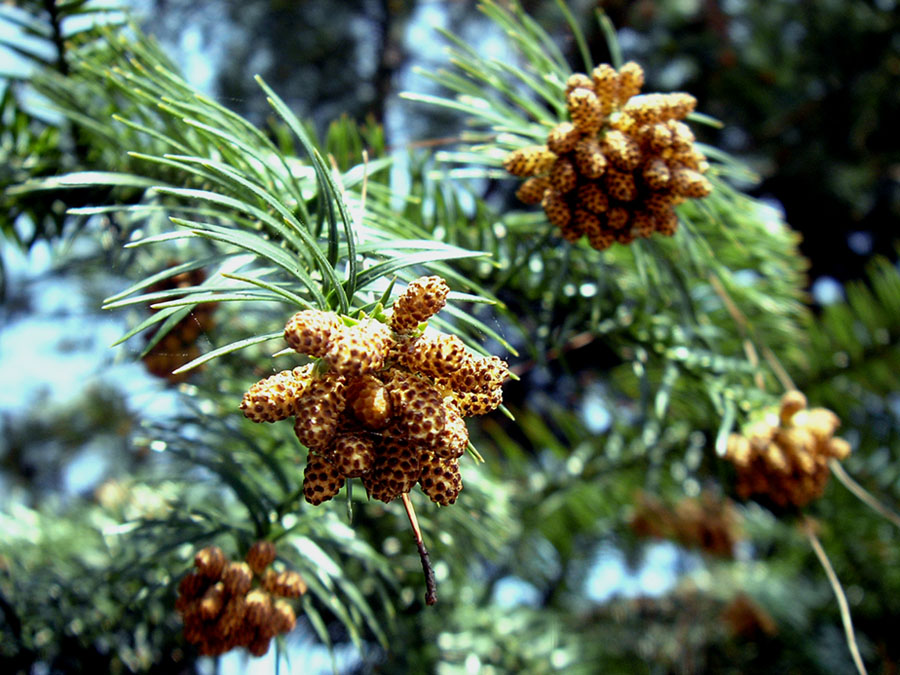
(589, 159)
(656, 174)
(690, 183)
(310, 331)
(606, 84)
(454, 437)
(370, 402)
(440, 479)
(319, 409)
(791, 403)
(210, 562)
(359, 349)
(620, 185)
(321, 480)
(433, 355)
(212, 601)
(283, 617)
(422, 299)
(473, 403)
(563, 176)
(562, 138)
(592, 197)
(273, 399)
(529, 161)
(621, 150)
(631, 80)
(287, 584)
(585, 110)
(557, 209)
(237, 578)
(479, 374)
(260, 556)
(353, 455)
(578, 81)
(396, 468)
(532, 190)
(418, 406)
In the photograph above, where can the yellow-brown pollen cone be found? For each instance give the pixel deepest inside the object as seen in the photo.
(615, 171)
(386, 402)
(784, 458)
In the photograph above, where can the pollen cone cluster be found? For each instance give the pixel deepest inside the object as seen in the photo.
(386, 402)
(784, 458)
(618, 168)
(228, 604)
(179, 346)
(708, 523)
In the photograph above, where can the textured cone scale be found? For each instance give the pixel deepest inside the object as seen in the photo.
(440, 479)
(321, 480)
(283, 617)
(310, 331)
(232, 618)
(192, 586)
(618, 218)
(532, 190)
(212, 601)
(690, 183)
(556, 208)
(621, 150)
(433, 355)
(421, 300)
(319, 409)
(620, 185)
(237, 578)
(396, 468)
(656, 175)
(592, 197)
(479, 374)
(589, 158)
(529, 161)
(656, 138)
(478, 402)
(261, 555)
(353, 455)
(666, 223)
(418, 406)
(600, 238)
(360, 349)
(578, 81)
(369, 400)
(606, 85)
(631, 79)
(682, 136)
(563, 175)
(273, 399)
(259, 646)
(574, 230)
(646, 108)
(659, 204)
(287, 584)
(585, 110)
(791, 403)
(454, 438)
(210, 562)
(562, 138)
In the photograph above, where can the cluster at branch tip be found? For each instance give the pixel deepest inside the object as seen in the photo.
(784, 458)
(708, 523)
(618, 169)
(228, 604)
(385, 402)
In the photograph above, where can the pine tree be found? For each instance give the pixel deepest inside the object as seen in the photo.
(368, 334)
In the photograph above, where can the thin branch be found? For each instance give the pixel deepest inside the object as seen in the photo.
(864, 495)
(430, 583)
(838, 593)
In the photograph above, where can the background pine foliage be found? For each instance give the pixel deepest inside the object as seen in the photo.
(676, 342)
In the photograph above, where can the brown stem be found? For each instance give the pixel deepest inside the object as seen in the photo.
(430, 583)
(838, 594)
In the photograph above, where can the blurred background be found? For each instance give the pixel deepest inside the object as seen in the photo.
(809, 97)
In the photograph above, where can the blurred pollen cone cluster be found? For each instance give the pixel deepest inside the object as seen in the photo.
(179, 346)
(784, 458)
(385, 403)
(708, 522)
(618, 169)
(237, 604)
